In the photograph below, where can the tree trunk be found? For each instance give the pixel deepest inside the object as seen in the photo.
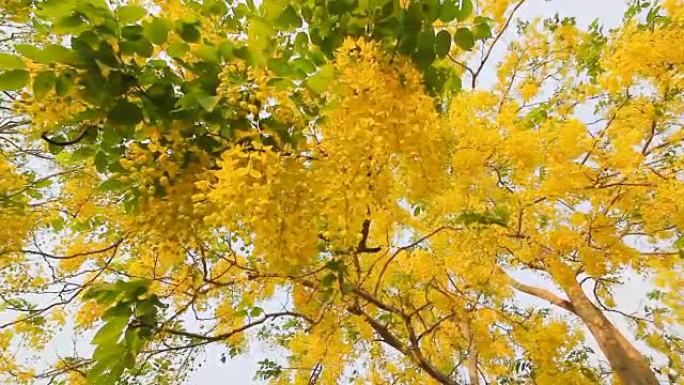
(628, 363)
(473, 376)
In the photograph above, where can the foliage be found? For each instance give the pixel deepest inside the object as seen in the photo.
(331, 177)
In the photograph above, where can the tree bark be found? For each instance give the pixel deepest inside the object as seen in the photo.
(628, 363)
(471, 362)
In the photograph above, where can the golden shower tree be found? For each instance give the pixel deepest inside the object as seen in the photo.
(367, 185)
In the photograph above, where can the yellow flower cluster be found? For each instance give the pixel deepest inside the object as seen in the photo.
(16, 218)
(326, 346)
(16, 10)
(266, 198)
(249, 95)
(49, 111)
(648, 54)
(544, 344)
(496, 8)
(381, 126)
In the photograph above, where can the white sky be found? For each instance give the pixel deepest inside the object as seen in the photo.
(240, 370)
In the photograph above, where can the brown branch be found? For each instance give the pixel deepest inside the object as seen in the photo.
(406, 247)
(204, 339)
(375, 301)
(362, 247)
(496, 39)
(68, 300)
(70, 256)
(233, 332)
(541, 293)
(644, 150)
(410, 352)
(65, 143)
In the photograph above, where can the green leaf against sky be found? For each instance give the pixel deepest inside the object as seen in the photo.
(442, 43)
(13, 80)
(464, 38)
(11, 62)
(130, 13)
(157, 30)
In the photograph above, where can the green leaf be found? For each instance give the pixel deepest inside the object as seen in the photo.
(125, 113)
(241, 10)
(302, 42)
(70, 25)
(434, 79)
(177, 49)
(449, 11)
(413, 18)
(256, 311)
(129, 14)
(425, 54)
(319, 82)
(133, 288)
(188, 32)
(289, 19)
(499, 216)
(271, 9)
(338, 7)
(54, 149)
(111, 332)
(280, 66)
(13, 80)
(31, 52)
(101, 162)
(216, 7)
(207, 53)
(107, 371)
(679, 243)
(43, 82)
(64, 82)
(122, 309)
(426, 40)
(141, 46)
(134, 341)
(208, 102)
(55, 8)
(304, 64)
(34, 194)
(112, 185)
(442, 43)
(157, 30)
(482, 29)
(453, 84)
(49, 54)
(464, 38)
(328, 280)
(346, 288)
(43, 183)
(81, 154)
(11, 62)
(335, 265)
(431, 10)
(110, 138)
(259, 37)
(465, 9)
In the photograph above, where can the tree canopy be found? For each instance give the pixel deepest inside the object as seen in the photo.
(384, 191)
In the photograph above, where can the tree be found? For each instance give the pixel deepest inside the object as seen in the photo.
(332, 177)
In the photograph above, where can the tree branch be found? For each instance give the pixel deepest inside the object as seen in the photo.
(496, 39)
(541, 293)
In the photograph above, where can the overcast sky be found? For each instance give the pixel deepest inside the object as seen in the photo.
(240, 370)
